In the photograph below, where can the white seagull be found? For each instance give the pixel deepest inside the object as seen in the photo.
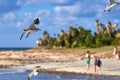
(34, 72)
(113, 4)
(31, 28)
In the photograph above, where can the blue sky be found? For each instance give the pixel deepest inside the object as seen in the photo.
(54, 15)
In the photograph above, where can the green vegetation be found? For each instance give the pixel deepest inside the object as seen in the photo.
(80, 37)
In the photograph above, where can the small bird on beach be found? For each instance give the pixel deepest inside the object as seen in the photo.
(34, 72)
(31, 28)
(113, 4)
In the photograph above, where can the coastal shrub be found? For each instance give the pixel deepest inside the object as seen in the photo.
(81, 37)
(116, 41)
(74, 44)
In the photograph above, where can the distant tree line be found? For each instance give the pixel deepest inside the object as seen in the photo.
(81, 37)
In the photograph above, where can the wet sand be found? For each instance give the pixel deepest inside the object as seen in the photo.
(110, 67)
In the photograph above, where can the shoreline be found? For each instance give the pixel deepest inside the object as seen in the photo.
(77, 67)
(60, 62)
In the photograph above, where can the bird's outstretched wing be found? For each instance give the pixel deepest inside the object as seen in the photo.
(28, 77)
(37, 66)
(35, 70)
(32, 25)
(22, 35)
(35, 73)
(111, 1)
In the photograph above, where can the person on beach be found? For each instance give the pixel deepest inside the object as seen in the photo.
(97, 65)
(88, 61)
(115, 50)
(118, 55)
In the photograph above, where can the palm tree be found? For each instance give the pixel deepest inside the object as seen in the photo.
(109, 30)
(88, 40)
(67, 40)
(97, 26)
(81, 36)
(114, 26)
(102, 29)
(62, 32)
(46, 38)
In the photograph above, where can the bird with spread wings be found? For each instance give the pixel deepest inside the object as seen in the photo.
(33, 72)
(31, 28)
(113, 4)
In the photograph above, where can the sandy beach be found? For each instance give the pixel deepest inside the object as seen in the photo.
(110, 67)
(51, 61)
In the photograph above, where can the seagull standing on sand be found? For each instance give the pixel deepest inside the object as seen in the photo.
(113, 4)
(34, 72)
(31, 28)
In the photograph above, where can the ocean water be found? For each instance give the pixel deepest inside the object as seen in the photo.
(21, 74)
(13, 49)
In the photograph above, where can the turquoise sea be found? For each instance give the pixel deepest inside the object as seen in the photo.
(21, 74)
(13, 49)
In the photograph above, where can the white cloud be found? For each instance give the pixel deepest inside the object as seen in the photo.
(43, 13)
(69, 18)
(8, 20)
(15, 20)
(65, 15)
(9, 17)
(29, 2)
(116, 21)
(18, 24)
(68, 10)
(64, 21)
(19, 3)
(59, 1)
(27, 15)
(38, 2)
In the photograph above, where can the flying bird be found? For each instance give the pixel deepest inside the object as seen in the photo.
(33, 72)
(31, 28)
(113, 4)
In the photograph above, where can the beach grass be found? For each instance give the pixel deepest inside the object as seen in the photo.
(83, 49)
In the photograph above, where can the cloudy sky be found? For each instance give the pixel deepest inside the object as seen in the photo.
(54, 15)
